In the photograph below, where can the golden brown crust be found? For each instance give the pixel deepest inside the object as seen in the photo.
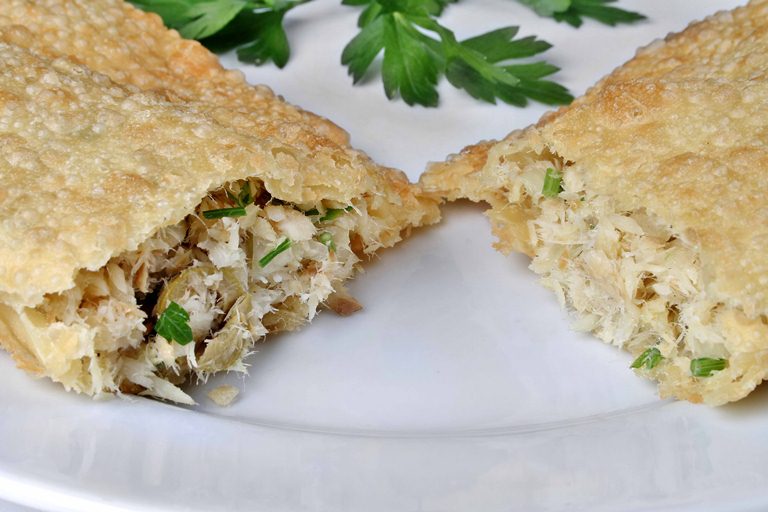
(90, 169)
(133, 47)
(673, 130)
(200, 123)
(680, 131)
(677, 133)
(11, 342)
(112, 127)
(454, 177)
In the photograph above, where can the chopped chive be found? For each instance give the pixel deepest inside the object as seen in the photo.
(705, 366)
(331, 214)
(224, 212)
(173, 324)
(327, 240)
(281, 247)
(648, 359)
(245, 197)
(553, 183)
(242, 200)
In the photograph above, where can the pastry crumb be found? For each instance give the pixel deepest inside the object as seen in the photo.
(223, 395)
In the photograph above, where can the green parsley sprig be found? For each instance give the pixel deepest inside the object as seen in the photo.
(417, 50)
(255, 28)
(573, 12)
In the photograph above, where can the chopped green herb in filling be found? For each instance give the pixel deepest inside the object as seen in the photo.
(706, 366)
(327, 240)
(281, 247)
(329, 215)
(173, 324)
(224, 212)
(334, 213)
(553, 183)
(648, 359)
(243, 199)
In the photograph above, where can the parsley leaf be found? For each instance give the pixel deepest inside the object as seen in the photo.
(173, 12)
(547, 7)
(194, 19)
(269, 40)
(173, 324)
(418, 50)
(363, 49)
(498, 45)
(409, 68)
(256, 27)
(208, 17)
(573, 11)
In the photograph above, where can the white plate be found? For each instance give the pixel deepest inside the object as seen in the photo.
(458, 388)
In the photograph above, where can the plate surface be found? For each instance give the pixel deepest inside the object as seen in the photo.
(459, 387)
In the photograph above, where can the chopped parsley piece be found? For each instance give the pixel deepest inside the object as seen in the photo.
(310, 213)
(243, 199)
(705, 366)
(327, 240)
(648, 359)
(553, 183)
(173, 324)
(281, 247)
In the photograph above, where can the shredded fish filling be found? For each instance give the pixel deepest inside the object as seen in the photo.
(630, 280)
(211, 268)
